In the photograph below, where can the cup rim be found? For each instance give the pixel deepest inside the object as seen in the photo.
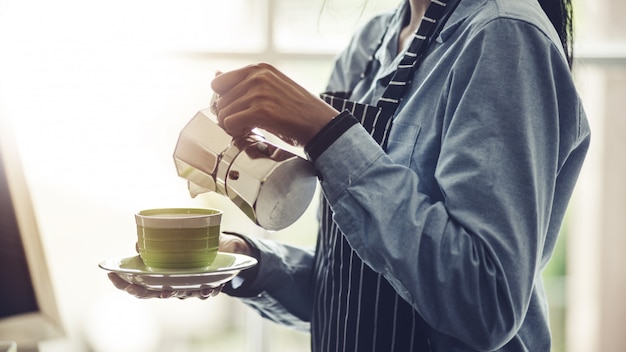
(192, 212)
(198, 217)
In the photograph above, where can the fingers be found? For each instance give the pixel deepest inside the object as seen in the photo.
(260, 96)
(203, 293)
(117, 281)
(209, 292)
(234, 244)
(233, 107)
(235, 120)
(244, 95)
(222, 109)
(134, 290)
(225, 81)
(143, 293)
(206, 293)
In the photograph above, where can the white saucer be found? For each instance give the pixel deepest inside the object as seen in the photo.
(224, 268)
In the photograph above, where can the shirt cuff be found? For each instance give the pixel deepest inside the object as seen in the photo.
(329, 134)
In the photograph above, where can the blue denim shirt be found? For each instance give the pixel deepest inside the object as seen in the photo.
(462, 211)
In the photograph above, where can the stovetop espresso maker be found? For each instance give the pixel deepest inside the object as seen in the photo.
(271, 185)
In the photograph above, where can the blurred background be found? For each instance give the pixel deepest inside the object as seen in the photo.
(95, 93)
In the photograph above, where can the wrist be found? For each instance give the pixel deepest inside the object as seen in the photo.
(322, 118)
(328, 134)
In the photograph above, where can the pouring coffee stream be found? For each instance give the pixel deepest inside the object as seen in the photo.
(272, 186)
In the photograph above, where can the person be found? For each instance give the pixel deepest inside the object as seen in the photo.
(447, 148)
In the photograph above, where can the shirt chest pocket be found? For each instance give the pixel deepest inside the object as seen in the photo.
(401, 144)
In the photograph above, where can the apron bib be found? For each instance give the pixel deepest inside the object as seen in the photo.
(355, 308)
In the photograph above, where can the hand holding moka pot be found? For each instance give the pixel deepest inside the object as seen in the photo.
(272, 186)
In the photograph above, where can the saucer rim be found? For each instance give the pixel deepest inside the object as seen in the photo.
(241, 262)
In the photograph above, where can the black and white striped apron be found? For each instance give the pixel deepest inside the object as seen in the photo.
(355, 308)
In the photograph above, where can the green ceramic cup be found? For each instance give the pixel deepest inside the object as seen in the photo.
(178, 238)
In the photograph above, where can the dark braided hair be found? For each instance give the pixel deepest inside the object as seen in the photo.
(560, 13)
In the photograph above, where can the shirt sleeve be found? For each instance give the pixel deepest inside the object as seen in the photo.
(280, 287)
(511, 139)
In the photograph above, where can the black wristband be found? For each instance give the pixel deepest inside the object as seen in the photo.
(329, 134)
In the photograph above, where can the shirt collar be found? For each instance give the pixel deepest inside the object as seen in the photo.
(464, 9)
(387, 55)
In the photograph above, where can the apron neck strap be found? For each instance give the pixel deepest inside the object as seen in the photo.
(431, 25)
